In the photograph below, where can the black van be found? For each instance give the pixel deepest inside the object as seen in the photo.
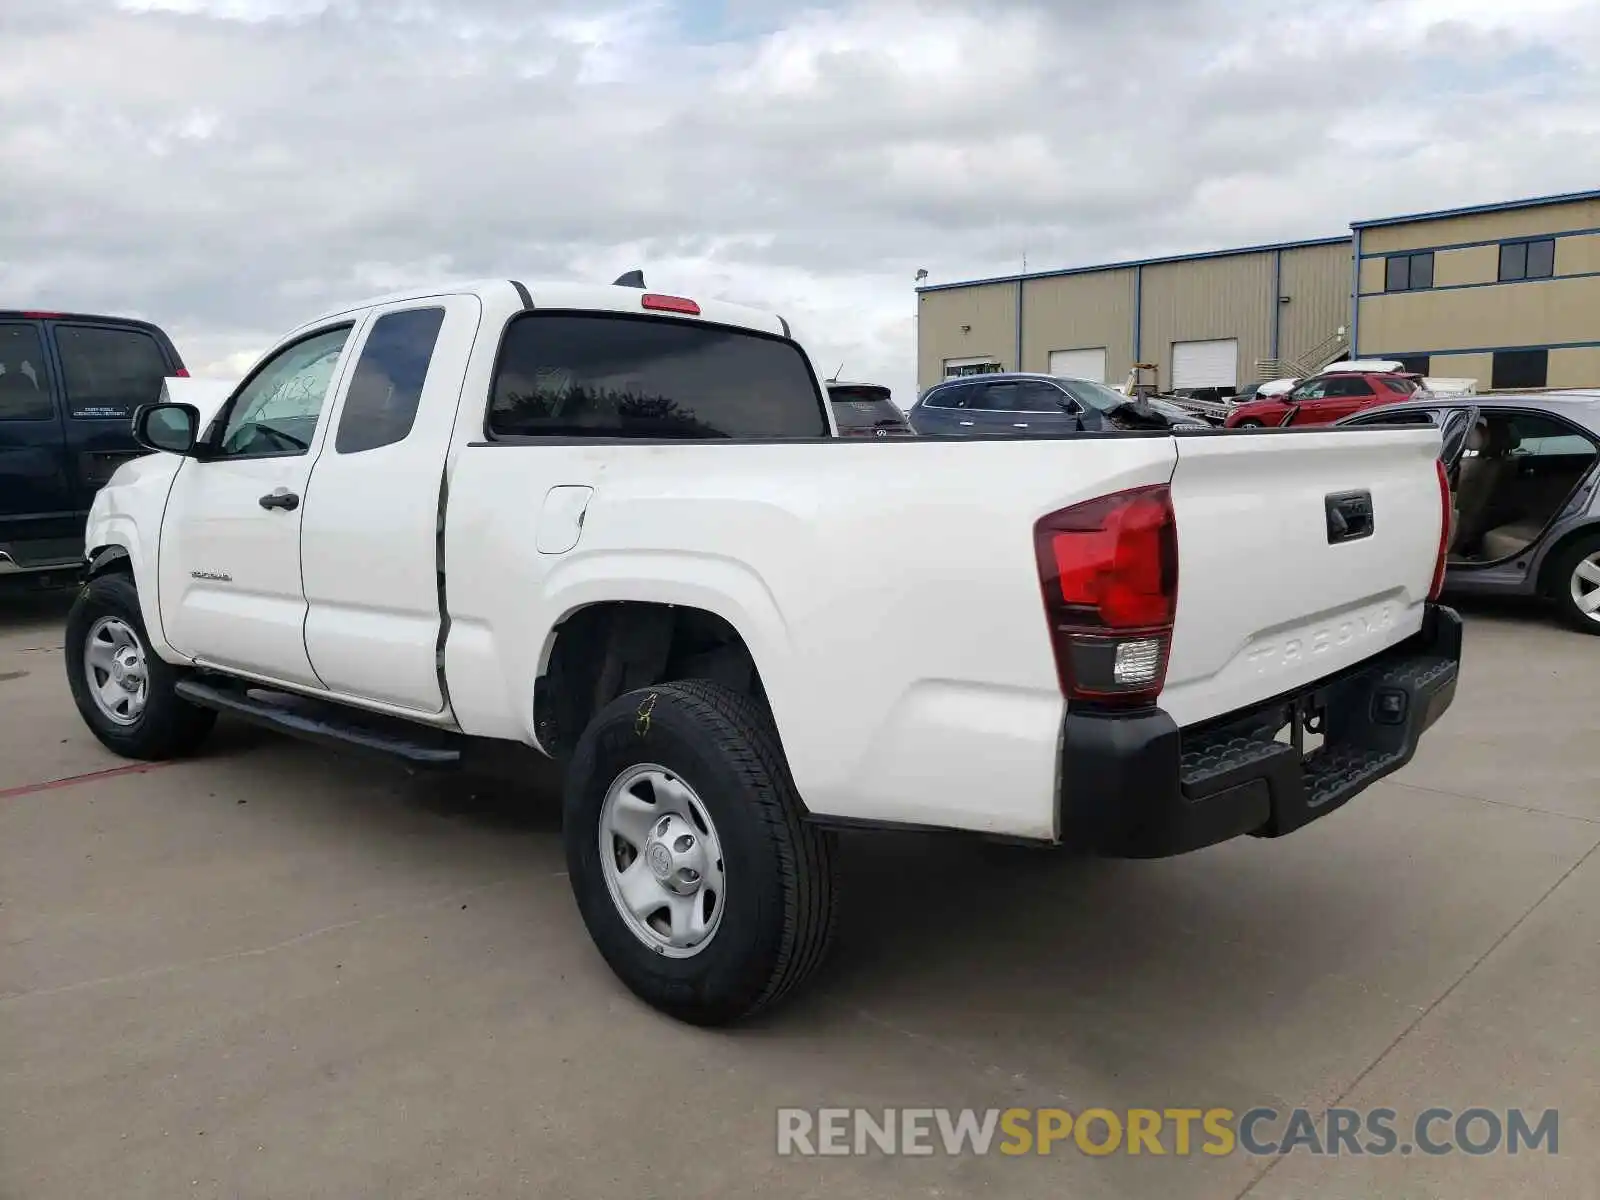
(69, 385)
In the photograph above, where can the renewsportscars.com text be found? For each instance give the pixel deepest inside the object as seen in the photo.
(1170, 1131)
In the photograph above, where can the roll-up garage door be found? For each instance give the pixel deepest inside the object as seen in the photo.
(1079, 364)
(1213, 364)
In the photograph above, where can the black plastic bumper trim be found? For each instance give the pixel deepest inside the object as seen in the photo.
(1135, 786)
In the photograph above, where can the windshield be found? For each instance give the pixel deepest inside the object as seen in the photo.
(1094, 395)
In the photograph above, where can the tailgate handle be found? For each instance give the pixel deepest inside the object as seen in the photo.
(1349, 516)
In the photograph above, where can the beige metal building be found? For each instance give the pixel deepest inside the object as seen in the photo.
(1212, 320)
(1508, 294)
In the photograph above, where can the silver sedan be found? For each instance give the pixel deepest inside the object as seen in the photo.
(1527, 495)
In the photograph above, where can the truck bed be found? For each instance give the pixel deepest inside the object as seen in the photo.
(890, 596)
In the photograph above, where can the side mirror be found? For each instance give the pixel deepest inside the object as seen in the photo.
(167, 428)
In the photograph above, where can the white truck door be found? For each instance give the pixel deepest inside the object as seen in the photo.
(229, 569)
(370, 535)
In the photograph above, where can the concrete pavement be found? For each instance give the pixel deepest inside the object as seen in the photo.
(277, 972)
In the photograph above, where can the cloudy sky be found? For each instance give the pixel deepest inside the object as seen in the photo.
(229, 168)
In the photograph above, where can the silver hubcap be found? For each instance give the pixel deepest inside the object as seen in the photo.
(1586, 586)
(662, 860)
(114, 662)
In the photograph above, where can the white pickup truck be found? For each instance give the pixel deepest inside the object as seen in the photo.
(616, 527)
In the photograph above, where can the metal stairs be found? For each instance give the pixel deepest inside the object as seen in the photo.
(1330, 350)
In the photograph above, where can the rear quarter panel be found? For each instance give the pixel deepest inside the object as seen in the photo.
(888, 591)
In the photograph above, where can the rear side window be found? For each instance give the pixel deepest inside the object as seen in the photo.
(1404, 417)
(24, 386)
(994, 397)
(1347, 385)
(951, 397)
(1569, 445)
(109, 372)
(381, 405)
(604, 376)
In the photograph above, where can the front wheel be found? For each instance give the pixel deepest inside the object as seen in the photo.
(1249, 423)
(123, 691)
(701, 883)
(1575, 584)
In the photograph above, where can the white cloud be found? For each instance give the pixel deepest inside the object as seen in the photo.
(231, 167)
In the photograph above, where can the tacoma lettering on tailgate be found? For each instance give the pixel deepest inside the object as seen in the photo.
(1283, 654)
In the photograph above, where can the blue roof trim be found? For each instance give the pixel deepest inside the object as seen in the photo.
(1472, 209)
(1139, 262)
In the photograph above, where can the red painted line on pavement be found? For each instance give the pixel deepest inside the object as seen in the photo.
(28, 789)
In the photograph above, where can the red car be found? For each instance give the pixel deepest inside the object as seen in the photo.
(1325, 398)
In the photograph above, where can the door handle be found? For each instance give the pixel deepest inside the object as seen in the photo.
(963, 422)
(281, 498)
(1350, 516)
(1019, 424)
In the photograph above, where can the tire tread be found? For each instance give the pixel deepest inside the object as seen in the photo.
(749, 740)
(810, 875)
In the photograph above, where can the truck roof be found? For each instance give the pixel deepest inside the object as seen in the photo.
(590, 297)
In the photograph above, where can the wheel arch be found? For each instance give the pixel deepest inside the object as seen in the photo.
(117, 548)
(1553, 552)
(105, 559)
(602, 649)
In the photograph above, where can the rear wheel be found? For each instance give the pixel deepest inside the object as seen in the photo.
(123, 691)
(1249, 423)
(1575, 584)
(701, 883)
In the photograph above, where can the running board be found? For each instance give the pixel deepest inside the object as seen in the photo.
(334, 725)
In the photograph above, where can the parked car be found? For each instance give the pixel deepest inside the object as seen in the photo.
(866, 410)
(1325, 398)
(654, 563)
(1017, 404)
(1526, 496)
(69, 385)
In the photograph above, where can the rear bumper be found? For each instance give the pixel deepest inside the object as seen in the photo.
(1136, 786)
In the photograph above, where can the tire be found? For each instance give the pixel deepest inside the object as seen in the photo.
(1249, 423)
(164, 726)
(773, 927)
(1566, 584)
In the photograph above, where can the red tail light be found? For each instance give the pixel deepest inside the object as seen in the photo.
(677, 304)
(1109, 572)
(182, 373)
(1446, 530)
(43, 316)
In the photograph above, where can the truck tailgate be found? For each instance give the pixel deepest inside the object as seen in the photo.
(1269, 596)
